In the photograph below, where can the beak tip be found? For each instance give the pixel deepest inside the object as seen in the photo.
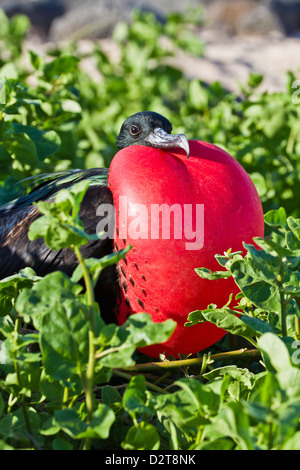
(185, 144)
(159, 138)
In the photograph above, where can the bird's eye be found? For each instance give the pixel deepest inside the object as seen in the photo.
(134, 130)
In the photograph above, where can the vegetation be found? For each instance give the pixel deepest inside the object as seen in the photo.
(67, 380)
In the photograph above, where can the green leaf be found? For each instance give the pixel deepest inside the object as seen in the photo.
(24, 149)
(288, 418)
(61, 317)
(228, 258)
(137, 332)
(61, 444)
(198, 95)
(61, 65)
(35, 59)
(9, 71)
(275, 352)
(69, 421)
(233, 422)
(71, 106)
(51, 389)
(256, 279)
(2, 404)
(269, 246)
(179, 410)
(46, 143)
(142, 437)
(64, 341)
(205, 273)
(45, 295)
(96, 266)
(60, 225)
(256, 324)
(13, 426)
(224, 318)
(120, 32)
(260, 183)
(288, 379)
(135, 397)
(12, 285)
(206, 401)
(276, 218)
(20, 24)
(293, 443)
(215, 444)
(110, 395)
(255, 79)
(292, 242)
(4, 157)
(99, 428)
(294, 225)
(144, 332)
(4, 446)
(4, 22)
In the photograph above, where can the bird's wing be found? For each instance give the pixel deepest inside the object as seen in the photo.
(17, 251)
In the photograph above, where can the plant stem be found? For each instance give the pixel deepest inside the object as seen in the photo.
(227, 356)
(291, 141)
(86, 276)
(297, 319)
(19, 381)
(283, 314)
(128, 377)
(282, 301)
(203, 365)
(89, 375)
(297, 327)
(65, 397)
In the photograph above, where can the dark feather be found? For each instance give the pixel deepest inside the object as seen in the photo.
(18, 252)
(42, 187)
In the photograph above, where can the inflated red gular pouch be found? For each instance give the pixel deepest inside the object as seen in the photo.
(177, 213)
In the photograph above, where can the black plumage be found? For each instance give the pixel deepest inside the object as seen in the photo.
(18, 252)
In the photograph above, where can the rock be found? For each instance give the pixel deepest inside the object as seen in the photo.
(90, 19)
(243, 16)
(41, 12)
(230, 60)
(59, 19)
(255, 16)
(97, 19)
(260, 20)
(288, 13)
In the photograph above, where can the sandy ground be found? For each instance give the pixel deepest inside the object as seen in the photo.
(227, 59)
(231, 59)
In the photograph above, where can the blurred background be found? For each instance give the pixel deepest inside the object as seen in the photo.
(239, 35)
(223, 71)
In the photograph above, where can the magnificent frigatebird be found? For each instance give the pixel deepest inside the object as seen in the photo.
(17, 251)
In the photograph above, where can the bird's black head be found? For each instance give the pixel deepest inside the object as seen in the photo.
(150, 129)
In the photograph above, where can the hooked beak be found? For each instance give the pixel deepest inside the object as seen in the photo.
(159, 138)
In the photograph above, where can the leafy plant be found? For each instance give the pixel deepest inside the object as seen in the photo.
(70, 334)
(62, 117)
(57, 351)
(67, 380)
(268, 276)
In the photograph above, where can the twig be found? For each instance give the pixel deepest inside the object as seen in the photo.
(227, 356)
(89, 375)
(153, 387)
